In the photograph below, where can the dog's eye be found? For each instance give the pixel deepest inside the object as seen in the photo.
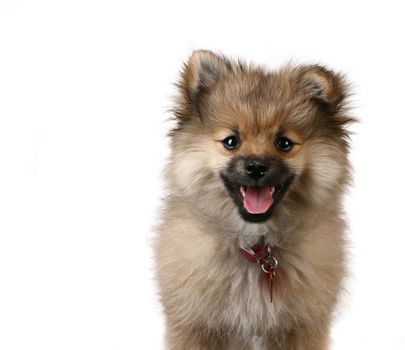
(231, 142)
(284, 144)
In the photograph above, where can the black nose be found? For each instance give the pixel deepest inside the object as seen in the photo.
(256, 168)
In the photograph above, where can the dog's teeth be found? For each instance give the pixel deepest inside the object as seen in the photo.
(272, 190)
(242, 191)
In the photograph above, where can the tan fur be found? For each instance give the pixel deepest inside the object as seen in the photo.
(213, 298)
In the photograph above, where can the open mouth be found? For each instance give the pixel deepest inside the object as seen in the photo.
(257, 199)
(256, 203)
(256, 195)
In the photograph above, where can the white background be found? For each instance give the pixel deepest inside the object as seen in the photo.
(84, 91)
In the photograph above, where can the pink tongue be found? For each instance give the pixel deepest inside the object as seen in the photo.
(257, 199)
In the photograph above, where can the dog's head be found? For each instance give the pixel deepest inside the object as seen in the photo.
(253, 140)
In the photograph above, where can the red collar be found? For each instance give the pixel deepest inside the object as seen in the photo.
(263, 256)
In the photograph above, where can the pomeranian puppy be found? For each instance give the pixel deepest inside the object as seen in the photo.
(251, 244)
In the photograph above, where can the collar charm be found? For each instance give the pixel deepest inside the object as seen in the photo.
(263, 256)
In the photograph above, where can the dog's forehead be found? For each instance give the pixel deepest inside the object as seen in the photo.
(255, 114)
(258, 103)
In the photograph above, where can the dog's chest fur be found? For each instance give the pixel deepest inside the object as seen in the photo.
(207, 281)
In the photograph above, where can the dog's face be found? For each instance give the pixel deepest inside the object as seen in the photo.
(253, 141)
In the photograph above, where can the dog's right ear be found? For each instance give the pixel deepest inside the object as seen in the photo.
(203, 70)
(199, 75)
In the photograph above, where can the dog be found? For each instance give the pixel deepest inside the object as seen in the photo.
(251, 242)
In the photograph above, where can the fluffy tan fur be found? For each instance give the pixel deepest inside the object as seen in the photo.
(213, 297)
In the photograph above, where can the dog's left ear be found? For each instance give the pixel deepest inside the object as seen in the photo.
(325, 87)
